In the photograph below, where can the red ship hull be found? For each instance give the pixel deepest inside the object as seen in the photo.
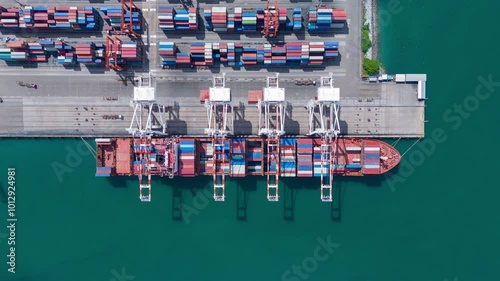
(299, 157)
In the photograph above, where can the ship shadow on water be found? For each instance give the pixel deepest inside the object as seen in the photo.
(291, 188)
(120, 182)
(336, 204)
(242, 189)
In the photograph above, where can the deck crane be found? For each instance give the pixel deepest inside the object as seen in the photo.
(220, 122)
(114, 43)
(326, 107)
(144, 103)
(271, 19)
(271, 125)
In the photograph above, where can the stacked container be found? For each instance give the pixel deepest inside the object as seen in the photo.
(297, 19)
(208, 54)
(206, 154)
(255, 156)
(114, 14)
(278, 55)
(288, 167)
(282, 15)
(167, 52)
(238, 19)
(197, 52)
(331, 49)
(223, 157)
(324, 20)
(316, 51)
(131, 51)
(249, 22)
(293, 52)
(339, 18)
(185, 20)
(136, 19)
(166, 17)
(207, 15)
(219, 19)
(76, 18)
(5, 54)
(103, 171)
(65, 54)
(9, 18)
(37, 52)
(371, 159)
(317, 159)
(85, 53)
(19, 51)
(238, 162)
(182, 58)
(267, 54)
(304, 54)
(290, 54)
(230, 22)
(312, 19)
(249, 56)
(260, 18)
(304, 158)
(193, 19)
(201, 53)
(187, 155)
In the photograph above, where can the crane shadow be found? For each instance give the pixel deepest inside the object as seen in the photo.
(336, 205)
(242, 191)
(289, 204)
(176, 204)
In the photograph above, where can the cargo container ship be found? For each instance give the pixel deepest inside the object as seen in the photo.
(240, 157)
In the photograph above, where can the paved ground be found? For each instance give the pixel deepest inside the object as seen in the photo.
(56, 107)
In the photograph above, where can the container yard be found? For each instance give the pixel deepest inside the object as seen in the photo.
(50, 18)
(291, 54)
(233, 90)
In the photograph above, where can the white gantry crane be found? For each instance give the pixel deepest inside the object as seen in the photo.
(141, 127)
(324, 122)
(220, 124)
(272, 125)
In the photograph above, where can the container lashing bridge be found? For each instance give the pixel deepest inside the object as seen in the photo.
(220, 118)
(141, 128)
(324, 122)
(271, 20)
(271, 125)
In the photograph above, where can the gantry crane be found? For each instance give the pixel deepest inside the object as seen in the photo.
(113, 51)
(220, 122)
(126, 27)
(271, 19)
(326, 106)
(114, 44)
(144, 103)
(271, 125)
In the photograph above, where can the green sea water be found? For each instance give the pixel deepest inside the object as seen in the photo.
(435, 218)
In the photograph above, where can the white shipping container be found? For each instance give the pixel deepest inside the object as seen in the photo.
(317, 49)
(9, 20)
(316, 58)
(219, 9)
(165, 17)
